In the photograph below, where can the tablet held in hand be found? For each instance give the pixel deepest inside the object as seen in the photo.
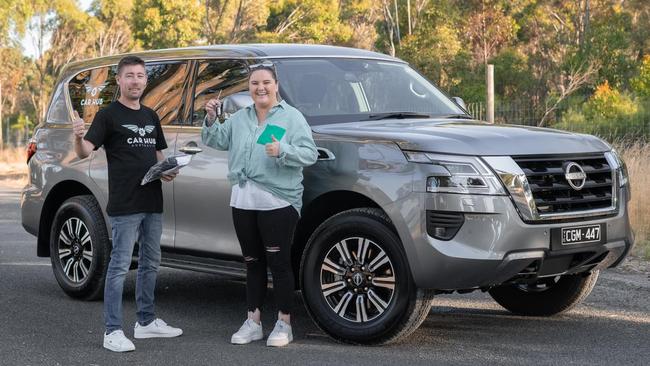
(171, 164)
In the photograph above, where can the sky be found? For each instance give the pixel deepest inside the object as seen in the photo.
(28, 43)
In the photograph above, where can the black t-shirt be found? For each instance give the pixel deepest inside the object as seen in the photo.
(130, 138)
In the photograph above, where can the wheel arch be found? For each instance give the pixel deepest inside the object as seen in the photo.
(319, 210)
(56, 196)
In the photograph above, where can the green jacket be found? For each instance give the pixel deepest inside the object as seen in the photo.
(247, 159)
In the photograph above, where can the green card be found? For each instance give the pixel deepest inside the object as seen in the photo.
(271, 130)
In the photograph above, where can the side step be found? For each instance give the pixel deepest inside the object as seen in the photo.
(202, 264)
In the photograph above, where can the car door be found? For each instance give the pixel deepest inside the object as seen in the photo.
(166, 84)
(201, 190)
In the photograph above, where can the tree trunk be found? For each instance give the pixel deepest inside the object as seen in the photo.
(390, 26)
(408, 13)
(399, 37)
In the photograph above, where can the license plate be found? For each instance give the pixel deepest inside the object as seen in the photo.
(581, 234)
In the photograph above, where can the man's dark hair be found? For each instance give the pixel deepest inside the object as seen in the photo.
(129, 60)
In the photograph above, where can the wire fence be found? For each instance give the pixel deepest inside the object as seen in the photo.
(611, 125)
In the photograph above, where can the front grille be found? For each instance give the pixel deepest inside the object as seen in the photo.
(552, 192)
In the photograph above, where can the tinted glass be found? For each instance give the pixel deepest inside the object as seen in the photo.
(92, 90)
(324, 88)
(58, 111)
(228, 77)
(164, 92)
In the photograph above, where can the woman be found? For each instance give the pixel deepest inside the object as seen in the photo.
(269, 142)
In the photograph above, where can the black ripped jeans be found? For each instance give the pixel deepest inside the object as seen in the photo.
(265, 238)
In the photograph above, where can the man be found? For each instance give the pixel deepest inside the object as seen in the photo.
(133, 140)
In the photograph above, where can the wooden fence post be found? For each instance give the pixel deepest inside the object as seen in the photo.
(490, 92)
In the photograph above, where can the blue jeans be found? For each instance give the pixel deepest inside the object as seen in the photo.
(146, 228)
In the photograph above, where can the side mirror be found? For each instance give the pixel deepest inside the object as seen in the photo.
(460, 102)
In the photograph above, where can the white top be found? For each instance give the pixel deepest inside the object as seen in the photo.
(252, 197)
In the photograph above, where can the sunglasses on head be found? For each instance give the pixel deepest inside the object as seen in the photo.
(265, 64)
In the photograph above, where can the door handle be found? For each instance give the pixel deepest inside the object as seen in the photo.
(190, 149)
(325, 154)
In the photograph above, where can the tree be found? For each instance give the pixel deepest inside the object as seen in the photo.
(14, 16)
(609, 41)
(389, 27)
(641, 83)
(554, 38)
(234, 21)
(72, 39)
(433, 51)
(639, 11)
(567, 85)
(488, 29)
(115, 35)
(12, 70)
(44, 21)
(361, 16)
(168, 23)
(308, 21)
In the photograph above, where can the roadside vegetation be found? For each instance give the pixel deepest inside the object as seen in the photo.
(13, 170)
(637, 158)
(550, 57)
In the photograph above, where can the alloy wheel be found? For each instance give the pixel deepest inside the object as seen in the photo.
(357, 279)
(75, 249)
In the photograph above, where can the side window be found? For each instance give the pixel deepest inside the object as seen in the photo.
(164, 93)
(92, 90)
(230, 78)
(58, 111)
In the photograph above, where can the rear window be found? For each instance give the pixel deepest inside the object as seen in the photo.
(92, 90)
(58, 111)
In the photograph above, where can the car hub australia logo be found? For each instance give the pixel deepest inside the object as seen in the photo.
(93, 91)
(140, 141)
(575, 175)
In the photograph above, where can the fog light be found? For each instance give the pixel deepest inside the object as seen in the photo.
(444, 225)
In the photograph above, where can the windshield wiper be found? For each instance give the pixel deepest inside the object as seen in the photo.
(455, 116)
(396, 115)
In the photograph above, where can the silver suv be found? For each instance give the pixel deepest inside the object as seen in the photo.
(410, 196)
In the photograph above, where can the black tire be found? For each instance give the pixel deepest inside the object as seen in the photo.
(406, 306)
(546, 298)
(80, 266)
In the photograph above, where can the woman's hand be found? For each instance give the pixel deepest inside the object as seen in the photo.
(273, 148)
(211, 108)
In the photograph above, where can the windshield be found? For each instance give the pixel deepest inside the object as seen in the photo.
(342, 90)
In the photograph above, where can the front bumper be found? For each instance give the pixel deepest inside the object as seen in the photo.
(495, 246)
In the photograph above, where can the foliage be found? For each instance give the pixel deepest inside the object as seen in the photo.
(167, 23)
(641, 83)
(608, 113)
(545, 52)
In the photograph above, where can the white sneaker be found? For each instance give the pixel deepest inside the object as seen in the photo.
(156, 329)
(249, 331)
(281, 335)
(117, 342)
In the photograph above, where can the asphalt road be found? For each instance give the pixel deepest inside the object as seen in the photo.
(40, 325)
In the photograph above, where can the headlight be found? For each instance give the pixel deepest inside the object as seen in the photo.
(458, 174)
(621, 168)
